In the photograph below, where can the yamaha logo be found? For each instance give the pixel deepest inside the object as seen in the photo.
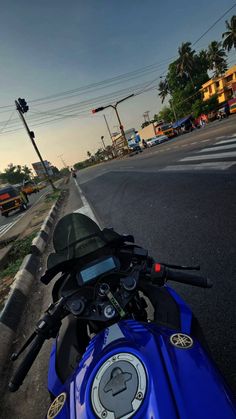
(181, 341)
(56, 406)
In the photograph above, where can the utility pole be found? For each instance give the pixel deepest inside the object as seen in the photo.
(146, 116)
(108, 128)
(63, 161)
(101, 108)
(22, 107)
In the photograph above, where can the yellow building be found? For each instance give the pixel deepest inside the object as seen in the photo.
(224, 86)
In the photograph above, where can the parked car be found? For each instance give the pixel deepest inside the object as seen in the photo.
(157, 140)
(11, 198)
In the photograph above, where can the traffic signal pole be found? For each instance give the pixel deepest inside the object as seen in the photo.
(31, 136)
(117, 114)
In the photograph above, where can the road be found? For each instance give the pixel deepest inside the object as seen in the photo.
(182, 216)
(7, 224)
(178, 199)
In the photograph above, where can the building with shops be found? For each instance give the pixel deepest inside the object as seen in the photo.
(39, 169)
(224, 86)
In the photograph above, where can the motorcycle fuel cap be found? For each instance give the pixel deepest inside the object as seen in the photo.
(119, 387)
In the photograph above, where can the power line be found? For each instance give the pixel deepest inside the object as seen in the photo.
(7, 122)
(214, 24)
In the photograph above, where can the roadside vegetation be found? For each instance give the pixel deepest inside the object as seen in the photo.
(19, 250)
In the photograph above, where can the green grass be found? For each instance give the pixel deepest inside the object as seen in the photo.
(20, 249)
(53, 196)
(11, 269)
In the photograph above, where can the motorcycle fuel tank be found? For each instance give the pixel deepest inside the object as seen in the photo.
(140, 370)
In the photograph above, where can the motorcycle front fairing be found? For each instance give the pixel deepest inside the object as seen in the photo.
(134, 369)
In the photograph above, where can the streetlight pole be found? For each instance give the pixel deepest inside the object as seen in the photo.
(108, 128)
(117, 114)
(171, 104)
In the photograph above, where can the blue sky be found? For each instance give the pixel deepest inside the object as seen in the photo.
(54, 46)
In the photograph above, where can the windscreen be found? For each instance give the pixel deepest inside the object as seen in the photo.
(76, 235)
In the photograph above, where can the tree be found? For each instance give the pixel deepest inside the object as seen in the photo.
(200, 106)
(217, 58)
(230, 35)
(163, 89)
(15, 174)
(166, 114)
(145, 124)
(89, 154)
(186, 60)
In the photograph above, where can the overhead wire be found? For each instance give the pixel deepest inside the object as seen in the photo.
(75, 107)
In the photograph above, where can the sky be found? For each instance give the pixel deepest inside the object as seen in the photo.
(51, 47)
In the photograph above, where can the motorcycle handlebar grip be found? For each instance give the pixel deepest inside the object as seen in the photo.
(188, 278)
(24, 367)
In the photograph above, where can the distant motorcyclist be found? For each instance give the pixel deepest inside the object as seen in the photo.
(73, 172)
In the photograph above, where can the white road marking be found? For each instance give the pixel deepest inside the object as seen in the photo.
(86, 209)
(232, 140)
(6, 227)
(10, 225)
(195, 142)
(199, 166)
(205, 141)
(222, 136)
(210, 156)
(222, 147)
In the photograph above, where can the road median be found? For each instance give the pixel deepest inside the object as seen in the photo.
(21, 281)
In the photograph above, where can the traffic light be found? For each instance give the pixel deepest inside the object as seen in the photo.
(23, 105)
(98, 109)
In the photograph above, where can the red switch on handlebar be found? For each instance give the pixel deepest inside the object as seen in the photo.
(157, 267)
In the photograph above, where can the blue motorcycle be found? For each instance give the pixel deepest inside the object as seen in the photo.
(125, 344)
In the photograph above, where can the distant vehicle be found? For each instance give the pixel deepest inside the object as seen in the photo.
(41, 185)
(11, 199)
(157, 140)
(29, 187)
(168, 130)
(134, 144)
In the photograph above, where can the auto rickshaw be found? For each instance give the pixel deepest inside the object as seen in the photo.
(11, 199)
(29, 187)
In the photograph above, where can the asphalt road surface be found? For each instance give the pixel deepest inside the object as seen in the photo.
(178, 200)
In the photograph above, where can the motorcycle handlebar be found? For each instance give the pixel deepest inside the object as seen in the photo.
(162, 273)
(24, 367)
(188, 278)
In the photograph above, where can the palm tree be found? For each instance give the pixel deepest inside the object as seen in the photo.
(217, 58)
(186, 60)
(230, 35)
(163, 89)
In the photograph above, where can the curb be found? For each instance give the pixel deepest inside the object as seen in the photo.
(40, 241)
(12, 312)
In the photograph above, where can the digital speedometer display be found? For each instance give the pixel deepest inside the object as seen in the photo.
(99, 268)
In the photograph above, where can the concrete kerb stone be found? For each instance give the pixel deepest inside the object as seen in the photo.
(11, 314)
(13, 310)
(40, 241)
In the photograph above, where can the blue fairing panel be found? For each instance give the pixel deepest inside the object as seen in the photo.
(181, 383)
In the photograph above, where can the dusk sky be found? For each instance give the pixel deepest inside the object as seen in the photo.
(50, 47)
